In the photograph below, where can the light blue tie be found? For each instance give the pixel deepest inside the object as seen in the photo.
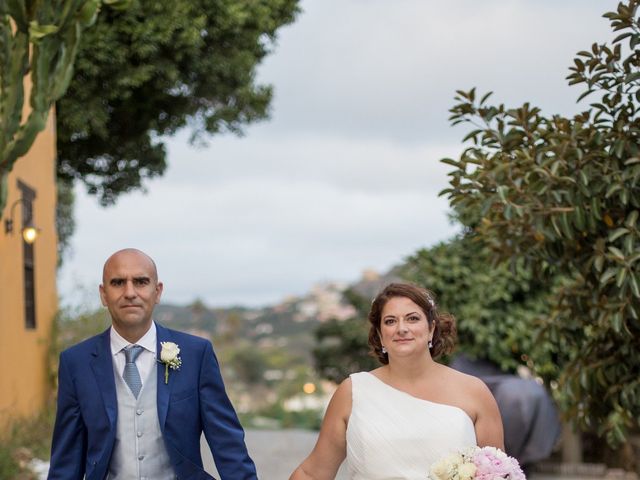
(131, 375)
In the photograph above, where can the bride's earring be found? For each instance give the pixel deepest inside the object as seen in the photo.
(384, 350)
(430, 344)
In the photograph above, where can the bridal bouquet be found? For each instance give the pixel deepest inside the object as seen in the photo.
(475, 463)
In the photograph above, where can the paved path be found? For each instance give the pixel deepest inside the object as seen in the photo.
(275, 453)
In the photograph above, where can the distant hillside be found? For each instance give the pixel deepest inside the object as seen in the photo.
(263, 327)
(292, 316)
(288, 325)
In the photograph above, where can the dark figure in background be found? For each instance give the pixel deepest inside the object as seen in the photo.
(529, 416)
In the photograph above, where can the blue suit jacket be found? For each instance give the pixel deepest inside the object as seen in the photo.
(193, 401)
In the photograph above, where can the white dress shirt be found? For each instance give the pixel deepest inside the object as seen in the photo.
(146, 360)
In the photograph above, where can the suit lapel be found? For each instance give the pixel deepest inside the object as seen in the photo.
(102, 366)
(164, 390)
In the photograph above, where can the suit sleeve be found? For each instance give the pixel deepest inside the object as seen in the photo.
(221, 426)
(69, 444)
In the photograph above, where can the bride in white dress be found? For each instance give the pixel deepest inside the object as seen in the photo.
(392, 423)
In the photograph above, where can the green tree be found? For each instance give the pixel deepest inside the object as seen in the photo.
(342, 348)
(40, 39)
(561, 195)
(154, 69)
(249, 364)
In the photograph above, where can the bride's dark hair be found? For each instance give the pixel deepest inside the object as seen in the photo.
(444, 336)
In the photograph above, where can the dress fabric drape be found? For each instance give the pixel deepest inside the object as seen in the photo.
(392, 435)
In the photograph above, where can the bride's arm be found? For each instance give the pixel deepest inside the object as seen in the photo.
(488, 424)
(330, 450)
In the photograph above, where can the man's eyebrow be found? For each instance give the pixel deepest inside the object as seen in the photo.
(136, 278)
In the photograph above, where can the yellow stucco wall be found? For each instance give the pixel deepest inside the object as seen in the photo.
(24, 386)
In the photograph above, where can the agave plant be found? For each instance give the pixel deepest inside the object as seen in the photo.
(40, 38)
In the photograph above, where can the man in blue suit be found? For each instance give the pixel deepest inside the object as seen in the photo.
(134, 400)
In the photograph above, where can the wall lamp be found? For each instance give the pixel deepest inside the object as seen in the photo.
(29, 231)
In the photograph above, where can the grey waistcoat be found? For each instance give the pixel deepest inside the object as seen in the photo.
(139, 452)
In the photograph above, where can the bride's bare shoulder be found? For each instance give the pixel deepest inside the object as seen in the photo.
(340, 403)
(344, 388)
(464, 382)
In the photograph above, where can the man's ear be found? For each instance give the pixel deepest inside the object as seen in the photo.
(159, 288)
(102, 295)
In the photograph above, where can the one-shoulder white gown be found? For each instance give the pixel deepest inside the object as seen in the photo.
(392, 435)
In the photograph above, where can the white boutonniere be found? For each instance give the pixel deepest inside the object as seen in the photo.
(170, 356)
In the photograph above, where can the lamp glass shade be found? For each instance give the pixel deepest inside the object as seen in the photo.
(29, 234)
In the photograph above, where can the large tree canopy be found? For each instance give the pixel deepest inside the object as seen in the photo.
(562, 195)
(154, 69)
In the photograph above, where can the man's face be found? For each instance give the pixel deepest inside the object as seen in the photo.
(130, 291)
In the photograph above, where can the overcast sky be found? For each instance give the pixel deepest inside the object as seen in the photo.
(345, 175)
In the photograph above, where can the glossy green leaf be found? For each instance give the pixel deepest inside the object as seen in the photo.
(608, 274)
(632, 218)
(633, 283)
(616, 252)
(617, 233)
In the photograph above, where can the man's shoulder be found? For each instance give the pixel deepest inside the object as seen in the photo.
(85, 346)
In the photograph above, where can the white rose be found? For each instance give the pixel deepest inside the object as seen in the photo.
(169, 352)
(445, 468)
(439, 471)
(466, 471)
(454, 459)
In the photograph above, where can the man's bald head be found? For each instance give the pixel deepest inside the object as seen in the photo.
(131, 253)
(130, 290)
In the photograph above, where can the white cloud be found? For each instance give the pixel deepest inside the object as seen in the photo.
(374, 165)
(390, 68)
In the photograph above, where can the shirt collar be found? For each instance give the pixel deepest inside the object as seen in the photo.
(148, 340)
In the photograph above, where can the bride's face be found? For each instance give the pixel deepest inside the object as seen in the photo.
(404, 328)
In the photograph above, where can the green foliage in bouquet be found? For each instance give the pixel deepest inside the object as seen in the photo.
(561, 197)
